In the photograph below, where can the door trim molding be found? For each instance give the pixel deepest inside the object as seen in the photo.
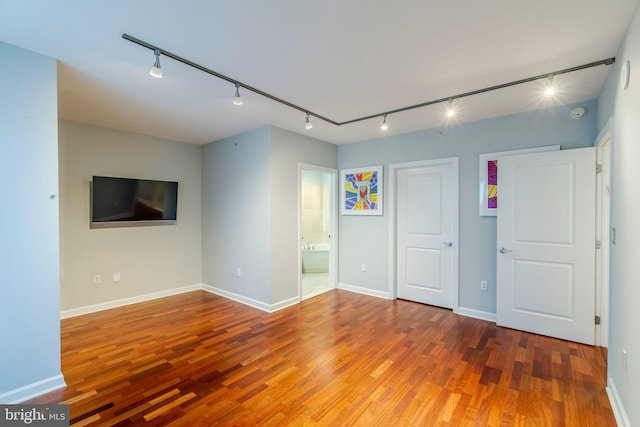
(392, 223)
(603, 142)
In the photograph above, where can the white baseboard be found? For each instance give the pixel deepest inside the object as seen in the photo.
(477, 314)
(126, 301)
(284, 304)
(238, 298)
(364, 291)
(32, 390)
(269, 308)
(616, 404)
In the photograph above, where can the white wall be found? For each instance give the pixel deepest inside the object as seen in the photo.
(29, 261)
(624, 310)
(363, 240)
(149, 259)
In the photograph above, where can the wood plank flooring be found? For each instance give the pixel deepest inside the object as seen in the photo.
(337, 359)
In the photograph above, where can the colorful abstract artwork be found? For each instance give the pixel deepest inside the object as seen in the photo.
(362, 191)
(492, 184)
(488, 177)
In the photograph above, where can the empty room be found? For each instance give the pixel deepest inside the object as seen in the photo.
(296, 213)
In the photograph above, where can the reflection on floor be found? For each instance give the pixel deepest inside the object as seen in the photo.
(314, 284)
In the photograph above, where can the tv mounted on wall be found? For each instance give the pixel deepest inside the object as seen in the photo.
(122, 202)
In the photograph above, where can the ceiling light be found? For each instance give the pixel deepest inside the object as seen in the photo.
(156, 71)
(550, 90)
(451, 112)
(384, 125)
(307, 123)
(236, 99)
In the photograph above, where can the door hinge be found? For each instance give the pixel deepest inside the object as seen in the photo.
(597, 320)
(598, 168)
(598, 244)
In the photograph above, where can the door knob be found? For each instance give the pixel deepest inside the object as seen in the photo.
(504, 250)
(448, 244)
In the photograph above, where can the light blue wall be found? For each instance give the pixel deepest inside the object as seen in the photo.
(624, 107)
(250, 205)
(236, 215)
(364, 240)
(30, 280)
(287, 150)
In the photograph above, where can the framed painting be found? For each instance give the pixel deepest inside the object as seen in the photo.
(361, 191)
(488, 176)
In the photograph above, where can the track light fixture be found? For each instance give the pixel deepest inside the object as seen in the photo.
(307, 123)
(236, 99)
(384, 125)
(550, 91)
(451, 112)
(156, 70)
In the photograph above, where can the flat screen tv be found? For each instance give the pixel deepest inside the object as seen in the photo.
(121, 202)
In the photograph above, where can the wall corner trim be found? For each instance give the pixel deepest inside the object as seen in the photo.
(32, 390)
(616, 404)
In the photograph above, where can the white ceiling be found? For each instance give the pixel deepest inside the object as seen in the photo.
(340, 59)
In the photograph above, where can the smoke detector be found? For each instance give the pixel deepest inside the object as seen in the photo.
(578, 113)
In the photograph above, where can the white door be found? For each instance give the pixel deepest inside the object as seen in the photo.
(546, 244)
(427, 212)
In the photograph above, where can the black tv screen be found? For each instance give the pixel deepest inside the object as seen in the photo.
(128, 201)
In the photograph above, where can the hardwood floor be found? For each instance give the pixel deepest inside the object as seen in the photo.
(337, 359)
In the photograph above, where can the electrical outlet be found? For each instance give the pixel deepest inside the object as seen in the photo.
(116, 276)
(97, 279)
(363, 267)
(624, 360)
(239, 272)
(484, 286)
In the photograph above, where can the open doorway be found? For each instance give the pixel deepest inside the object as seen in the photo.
(317, 207)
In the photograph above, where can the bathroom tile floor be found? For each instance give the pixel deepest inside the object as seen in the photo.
(314, 284)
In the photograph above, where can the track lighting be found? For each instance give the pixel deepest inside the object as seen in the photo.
(550, 90)
(451, 112)
(236, 99)
(307, 123)
(384, 125)
(156, 70)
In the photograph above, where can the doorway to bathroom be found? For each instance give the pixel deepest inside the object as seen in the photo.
(317, 230)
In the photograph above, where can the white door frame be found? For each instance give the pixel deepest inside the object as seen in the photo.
(392, 203)
(333, 209)
(604, 143)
